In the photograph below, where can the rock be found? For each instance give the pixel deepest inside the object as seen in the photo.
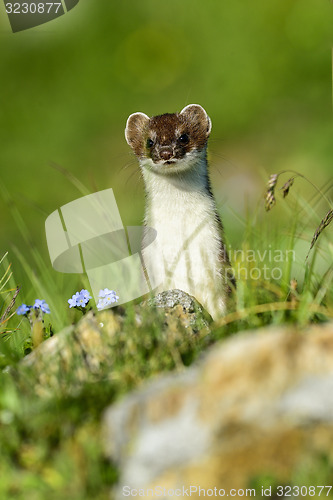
(256, 404)
(172, 298)
(180, 307)
(101, 343)
(76, 355)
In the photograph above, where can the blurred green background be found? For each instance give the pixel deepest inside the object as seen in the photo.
(262, 70)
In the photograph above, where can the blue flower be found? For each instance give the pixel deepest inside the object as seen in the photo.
(101, 304)
(23, 309)
(72, 301)
(106, 298)
(80, 299)
(107, 293)
(85, 294)
(42, 305)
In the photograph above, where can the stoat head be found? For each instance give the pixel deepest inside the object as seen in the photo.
(169, 143)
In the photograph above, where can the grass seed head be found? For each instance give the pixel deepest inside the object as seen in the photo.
(285, 188)
(270, 195)
(324, 223)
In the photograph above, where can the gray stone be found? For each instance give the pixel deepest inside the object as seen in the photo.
(182, 307)
(256, 403)
(171, 298)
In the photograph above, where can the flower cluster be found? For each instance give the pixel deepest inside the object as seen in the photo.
(41, 305)
(79, 299)
(106, 298)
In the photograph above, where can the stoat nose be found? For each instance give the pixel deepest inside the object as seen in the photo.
(166, 153)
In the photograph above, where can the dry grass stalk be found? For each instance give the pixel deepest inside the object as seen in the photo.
(324, 223)
(293, 291)
(4, 317)
(270, 307)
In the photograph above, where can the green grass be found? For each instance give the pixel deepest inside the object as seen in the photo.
(52, 448)
(304, 481)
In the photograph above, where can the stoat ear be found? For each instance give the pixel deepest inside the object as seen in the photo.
(135, 125)
(196, 113)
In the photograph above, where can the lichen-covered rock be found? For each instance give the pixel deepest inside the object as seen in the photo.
(259, 403)
(171, 298)
(180, 307)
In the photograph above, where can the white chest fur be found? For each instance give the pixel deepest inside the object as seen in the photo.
(186, 252)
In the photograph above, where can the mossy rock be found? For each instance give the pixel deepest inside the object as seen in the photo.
(119, 345)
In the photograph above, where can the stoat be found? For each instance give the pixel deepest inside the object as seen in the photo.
(189, 252)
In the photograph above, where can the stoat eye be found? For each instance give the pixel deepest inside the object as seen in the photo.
(183, 139)
(150, 143)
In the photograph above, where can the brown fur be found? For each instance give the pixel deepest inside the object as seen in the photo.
(136, 128)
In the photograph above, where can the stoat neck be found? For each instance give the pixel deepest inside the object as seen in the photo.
(194, 181)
